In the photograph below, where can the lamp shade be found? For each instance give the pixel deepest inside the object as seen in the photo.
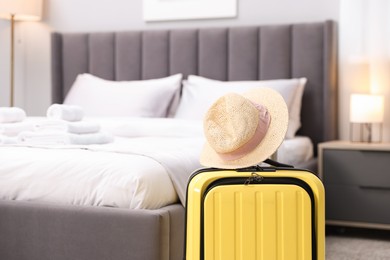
(24, 10)
(366, 108)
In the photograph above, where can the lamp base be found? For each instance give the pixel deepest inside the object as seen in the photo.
(366, 132)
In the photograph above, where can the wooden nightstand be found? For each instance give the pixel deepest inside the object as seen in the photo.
(356, 177)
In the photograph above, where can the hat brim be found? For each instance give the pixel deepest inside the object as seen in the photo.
(274, 137)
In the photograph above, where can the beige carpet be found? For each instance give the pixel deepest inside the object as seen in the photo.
(357, 244)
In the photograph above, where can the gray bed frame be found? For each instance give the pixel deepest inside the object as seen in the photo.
(30, 230)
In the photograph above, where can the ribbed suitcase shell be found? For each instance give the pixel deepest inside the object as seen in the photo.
(279, 217)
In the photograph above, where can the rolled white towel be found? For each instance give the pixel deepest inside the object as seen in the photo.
(7, 140)
(51, 125)
(11, 114)
(83, 127)
(95, 138)
(65, 112)
(13, 129)
(43, 138)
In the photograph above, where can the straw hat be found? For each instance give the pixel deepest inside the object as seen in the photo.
(244, 130)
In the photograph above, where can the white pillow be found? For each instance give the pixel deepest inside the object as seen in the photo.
(141, 98)
(199, 93)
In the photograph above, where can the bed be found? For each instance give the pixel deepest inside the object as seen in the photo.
(39, 230)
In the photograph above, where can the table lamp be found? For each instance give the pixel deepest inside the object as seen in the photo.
(18, 10)
(365, 111)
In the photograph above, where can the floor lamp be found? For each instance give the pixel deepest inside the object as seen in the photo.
(18, 10)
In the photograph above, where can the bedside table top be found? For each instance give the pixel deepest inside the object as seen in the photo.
(354, 145)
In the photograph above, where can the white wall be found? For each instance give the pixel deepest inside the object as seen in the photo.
(32, 80)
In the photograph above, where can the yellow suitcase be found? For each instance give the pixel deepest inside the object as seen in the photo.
(261, 213)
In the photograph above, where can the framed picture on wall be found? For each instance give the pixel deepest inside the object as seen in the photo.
(165, 10)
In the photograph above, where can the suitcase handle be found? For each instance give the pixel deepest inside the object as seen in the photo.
(266, 169)
(277, 164)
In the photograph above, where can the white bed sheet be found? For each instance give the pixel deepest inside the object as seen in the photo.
(147, 166)
(130, 173)
(80, 177)
(295, 151)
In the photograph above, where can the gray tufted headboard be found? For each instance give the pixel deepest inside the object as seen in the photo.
(236, 53)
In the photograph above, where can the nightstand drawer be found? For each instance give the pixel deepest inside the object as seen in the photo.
(356, 168)
(351, 203)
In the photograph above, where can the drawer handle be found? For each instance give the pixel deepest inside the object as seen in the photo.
(373, 188)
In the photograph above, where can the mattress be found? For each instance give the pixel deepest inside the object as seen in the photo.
(146, 167)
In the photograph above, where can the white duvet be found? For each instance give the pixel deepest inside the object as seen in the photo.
(130, 173)
(147, 166)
